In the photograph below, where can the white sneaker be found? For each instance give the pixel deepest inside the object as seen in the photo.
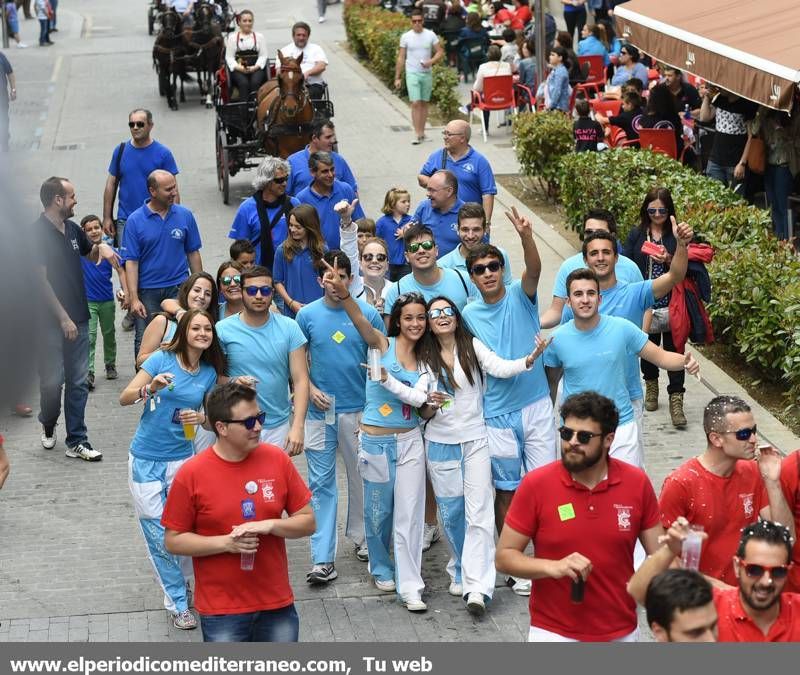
(413, 603)
(322, 19)
(464, 110)
(431, 535)
(519, 586)
(456, 589)
(48, 438)
(184, 620)
(385, 586)
(475, 604)
(21, 45)
(84, 451)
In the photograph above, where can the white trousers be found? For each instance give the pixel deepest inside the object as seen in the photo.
(541, 635)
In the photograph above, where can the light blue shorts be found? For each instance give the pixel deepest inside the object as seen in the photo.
(419, 86)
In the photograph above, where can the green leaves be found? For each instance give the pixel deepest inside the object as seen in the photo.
(541, 141)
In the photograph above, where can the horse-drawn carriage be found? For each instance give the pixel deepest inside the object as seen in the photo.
(222, 8)
(275, 121)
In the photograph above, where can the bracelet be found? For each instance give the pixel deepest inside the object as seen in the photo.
(349, 295)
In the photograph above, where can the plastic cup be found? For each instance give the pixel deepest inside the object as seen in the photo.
(189, 430)
(374, 362)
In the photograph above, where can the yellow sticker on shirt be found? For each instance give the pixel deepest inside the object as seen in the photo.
(338, 337)
(566, 512)
(385, 410)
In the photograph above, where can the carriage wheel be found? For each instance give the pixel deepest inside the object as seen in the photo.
(223, 167)
(151, 22)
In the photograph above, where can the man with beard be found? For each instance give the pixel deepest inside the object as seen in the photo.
(757, 610)
(584, 516)
(64, 332)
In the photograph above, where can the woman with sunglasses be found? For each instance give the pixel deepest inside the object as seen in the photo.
(228, 277)
(198, 292)
(391, 456)
(655, 228)
(456, 443)
(172, 385)
(374, 266)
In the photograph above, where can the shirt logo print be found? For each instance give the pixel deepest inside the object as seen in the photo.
(385, 410)
(338, 337)
(267, 490)
(623, 517)
(74, 243)
(176, 233)
(747, 504)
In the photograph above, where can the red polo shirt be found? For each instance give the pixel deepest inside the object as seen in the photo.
(723, 505)
(790, 482)
(561, 517)
(736, 626)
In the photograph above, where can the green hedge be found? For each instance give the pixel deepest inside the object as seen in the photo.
(541, 140)
(755, 277)
(374, 35)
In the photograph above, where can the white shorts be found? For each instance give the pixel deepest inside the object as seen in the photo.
(625, 445)
(276, 436)
(541, 635)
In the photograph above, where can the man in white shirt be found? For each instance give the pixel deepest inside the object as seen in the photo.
(314, 60)
(184, 8)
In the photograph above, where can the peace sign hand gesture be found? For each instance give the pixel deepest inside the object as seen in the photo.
(521, 224)
(332, 281)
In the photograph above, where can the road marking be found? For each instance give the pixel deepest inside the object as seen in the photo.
(56, 69)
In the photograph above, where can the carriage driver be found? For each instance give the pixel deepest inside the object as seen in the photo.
(314, 60)
(184, 8)
(246, 56)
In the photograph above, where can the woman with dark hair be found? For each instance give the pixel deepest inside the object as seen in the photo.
(661, 112)
(456, 443)
(228, 277)
(246, 56)
(172, 384)
(198, 292)
(555, 91)
(655, 227)
(628, 66)
(391, 455)
(564, 39)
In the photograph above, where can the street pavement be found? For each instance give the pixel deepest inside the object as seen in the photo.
(73, 565)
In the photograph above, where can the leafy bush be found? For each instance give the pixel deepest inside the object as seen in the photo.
(755, 278)
(541, 140)
(374, 35)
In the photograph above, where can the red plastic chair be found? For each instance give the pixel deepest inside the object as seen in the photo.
(607, 108)
(498, 94)
(596, 79)
(617, 138)
(524, 96)
(661, 140)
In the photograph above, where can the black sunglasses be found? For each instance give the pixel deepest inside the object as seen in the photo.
(227, 281)
(369, 257)
(252, 291)
(478, 270)
(249, 423)
(282, 179)
(743, 434)
(583, 436)
(659, 211)
(137, 125)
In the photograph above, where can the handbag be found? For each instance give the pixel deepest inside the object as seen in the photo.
(757, 155)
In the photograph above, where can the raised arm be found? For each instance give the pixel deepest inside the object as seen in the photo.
(778, 511)
(533, 263)
(680, 261)
(349, 243)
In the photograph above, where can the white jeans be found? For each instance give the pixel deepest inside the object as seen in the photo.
(541, 635)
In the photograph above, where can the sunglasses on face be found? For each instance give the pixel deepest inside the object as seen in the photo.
(280, 180)
(583, 436)
(369, 257)
(424, 245)
(252, 291)
(776, 572)
(249, 422)
(436, 313)
(137, 125)
(743, 434)
(478, 270)
(227, 281)
(660, 211)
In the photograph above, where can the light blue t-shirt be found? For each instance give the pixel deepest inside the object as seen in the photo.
(627, 301)
(594, 360)
(508, 328)
(298, 276)
(626, 271)
(383, 409)
(622, 75)
(455, 261)
(263, 352)
(473, 171)
(453, 285)
(337, 351)
(159, 436)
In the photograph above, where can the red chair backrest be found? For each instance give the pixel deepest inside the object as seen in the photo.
(606, 108)
(498, 92)
(659, 140)
(616, 136)
(597, 70)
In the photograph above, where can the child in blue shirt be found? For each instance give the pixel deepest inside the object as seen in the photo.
(390, 228)
(100, 294)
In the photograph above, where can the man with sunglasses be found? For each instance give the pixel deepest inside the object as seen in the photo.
(323, 139)
(271, 349)
(758, 608)
(518, 410)
(584, 515)
(427, 277)
(728, 487)
(242, 589)
(337, 394)
(266, 210)
(440, 210)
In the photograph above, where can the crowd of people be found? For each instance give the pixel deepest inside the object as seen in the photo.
(410, 348)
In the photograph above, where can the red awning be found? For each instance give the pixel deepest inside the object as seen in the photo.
(749, 47)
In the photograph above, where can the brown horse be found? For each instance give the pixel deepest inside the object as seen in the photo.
(284, 113)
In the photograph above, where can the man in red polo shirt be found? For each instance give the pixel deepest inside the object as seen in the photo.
(758, 609)
(584, 516)
(225, 510)
(790, 483)
(724, 490)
